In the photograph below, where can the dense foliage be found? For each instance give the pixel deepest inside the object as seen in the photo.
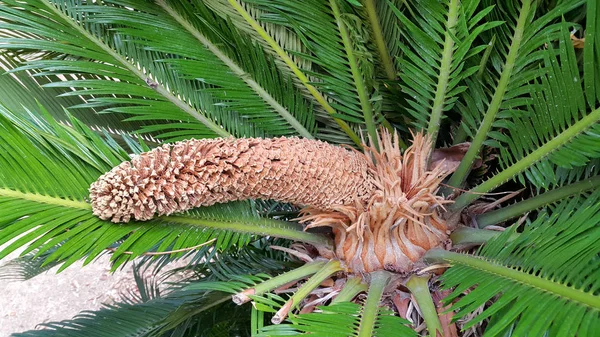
(90, 84)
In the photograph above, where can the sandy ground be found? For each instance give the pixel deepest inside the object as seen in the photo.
(52, 297)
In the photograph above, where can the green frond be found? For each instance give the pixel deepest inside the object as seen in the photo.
(559, 93)
(522, 207)
(591, 53)
(89, 48)
(241, 79)
(385, 59)
(286, 39)
(24, 89)
(188, 307)
(572, 135)
(390, 27)
(47, 170)
(316, 24)
(535, 144)
(516, 57)
(274, 18)
(544, 278)
(438, 42)
(318, 27)
(368, 319)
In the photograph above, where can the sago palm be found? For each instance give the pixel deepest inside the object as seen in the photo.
(335, 163)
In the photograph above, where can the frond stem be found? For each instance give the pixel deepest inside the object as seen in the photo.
(278, 281)
(311, 284)
(419, 288)
(379, 280)
(464, 167)
(499, 215)
(526, 162)
(516, 276)
(353, 287)
(159, 88)
(268, 227)
(445, 66)
(39, 198)
(295, 70)
(472, 236)
(247, 78)
(359, 81)
(384, 55)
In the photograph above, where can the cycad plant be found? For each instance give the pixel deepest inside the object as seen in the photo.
(333, 168)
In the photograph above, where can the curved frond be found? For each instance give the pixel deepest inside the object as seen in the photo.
(557, 102)
(516, 57)
(326, 30)
(315, 24)
(538, 30)
(439, 40)
(90, 48)
(285, 38)
(237, 74)
(591, 53)
(24, 89)
(544, 278)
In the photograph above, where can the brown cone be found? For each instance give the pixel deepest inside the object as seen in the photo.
(188, 174)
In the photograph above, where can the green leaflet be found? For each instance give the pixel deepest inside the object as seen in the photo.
(544, 277)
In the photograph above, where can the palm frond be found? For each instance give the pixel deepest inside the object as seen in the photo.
(539, 201)
(241, 79)
(184, 308)
(89, 48)
(390, 27)
(268, 23)
(544, 278)
(591, 54)
(335, 43)
(286, 38)
(557, 103)
(439, 40)
(24, 90)
(316, 26)
(516, 57)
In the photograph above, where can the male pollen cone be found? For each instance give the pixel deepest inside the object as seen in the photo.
(381, 205)
(177, 177)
